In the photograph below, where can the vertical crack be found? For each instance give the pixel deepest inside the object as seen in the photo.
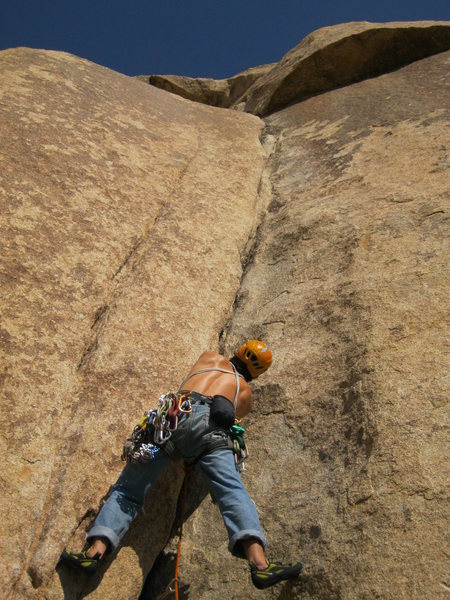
(265, 192)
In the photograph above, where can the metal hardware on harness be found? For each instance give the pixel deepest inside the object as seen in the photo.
(155, 428)
(236, 435)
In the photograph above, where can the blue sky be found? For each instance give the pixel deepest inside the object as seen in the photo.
(199, 38)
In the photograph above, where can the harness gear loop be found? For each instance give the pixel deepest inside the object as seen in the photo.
(153, 430)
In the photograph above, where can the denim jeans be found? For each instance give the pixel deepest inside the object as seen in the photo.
(218, 467)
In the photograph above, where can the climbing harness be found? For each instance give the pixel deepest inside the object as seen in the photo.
(155, 428)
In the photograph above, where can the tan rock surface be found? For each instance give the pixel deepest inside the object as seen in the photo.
(115, 202)
(215, 92)
(343, 54)
(349, 284)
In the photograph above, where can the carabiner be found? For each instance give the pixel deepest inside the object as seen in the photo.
(184, 401)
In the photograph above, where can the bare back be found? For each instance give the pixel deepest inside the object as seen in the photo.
(217, 383)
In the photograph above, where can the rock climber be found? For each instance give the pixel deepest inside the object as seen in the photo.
(216, 391)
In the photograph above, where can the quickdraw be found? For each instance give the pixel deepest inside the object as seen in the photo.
(236, 435)
(155, 428)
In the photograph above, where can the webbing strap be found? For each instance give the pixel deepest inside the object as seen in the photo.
(234, 371)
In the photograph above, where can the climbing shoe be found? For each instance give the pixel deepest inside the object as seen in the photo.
(273, 573)
(81, 561)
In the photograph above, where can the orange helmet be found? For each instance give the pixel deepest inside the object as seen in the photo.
(256, 356)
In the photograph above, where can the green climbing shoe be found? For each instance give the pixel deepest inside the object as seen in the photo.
(80, 561)
(274, 573)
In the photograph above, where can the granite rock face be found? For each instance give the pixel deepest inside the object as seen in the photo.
(113, 252)
(139, 228)
(341, 55)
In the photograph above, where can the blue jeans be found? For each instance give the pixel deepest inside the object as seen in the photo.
(224, 482)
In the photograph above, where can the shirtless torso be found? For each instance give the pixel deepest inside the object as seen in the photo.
(217, 383)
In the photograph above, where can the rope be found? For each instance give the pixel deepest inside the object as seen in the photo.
(188, 470)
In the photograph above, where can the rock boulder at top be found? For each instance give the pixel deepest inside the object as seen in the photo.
(215, 92)
(335, 56)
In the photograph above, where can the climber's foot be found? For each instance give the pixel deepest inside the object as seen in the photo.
(81, 561)
(273, 573)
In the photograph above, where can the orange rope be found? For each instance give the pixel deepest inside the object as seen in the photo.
(187, 469)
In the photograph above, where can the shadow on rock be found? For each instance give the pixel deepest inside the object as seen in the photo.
(76, 585)
(159, 583)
